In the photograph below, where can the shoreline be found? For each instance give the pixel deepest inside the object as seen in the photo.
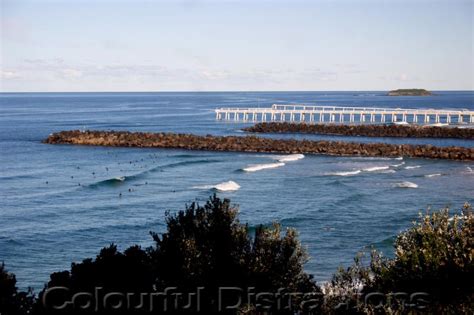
(255, 144)
(396, 131)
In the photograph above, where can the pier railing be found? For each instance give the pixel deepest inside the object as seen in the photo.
(344, 115)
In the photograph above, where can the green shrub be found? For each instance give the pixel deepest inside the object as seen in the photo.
(207, 246)
(435, 257)
(12, 301)
(204, 246)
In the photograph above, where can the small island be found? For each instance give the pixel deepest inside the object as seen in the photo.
(409, 92)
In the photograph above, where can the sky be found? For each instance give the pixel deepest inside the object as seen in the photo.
(106, 45)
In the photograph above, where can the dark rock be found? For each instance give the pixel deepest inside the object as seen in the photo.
(254, 144)
(410, 131)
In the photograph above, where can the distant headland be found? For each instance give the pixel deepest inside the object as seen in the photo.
(409, 92)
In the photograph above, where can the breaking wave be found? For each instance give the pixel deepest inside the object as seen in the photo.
(382, 169)
(432, 175)
(376, 168)
(289, 158)
(398, 165)
(121, 179)
(259, 167)
(111, 181)
(406, 185)
(412, 167)
(374, 158)
(348, 173)
(184, 163)
(224, 186)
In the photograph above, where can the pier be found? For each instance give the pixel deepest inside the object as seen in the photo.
(347, 115)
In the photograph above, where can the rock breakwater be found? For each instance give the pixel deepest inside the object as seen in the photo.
(365, 130)
(255, 144)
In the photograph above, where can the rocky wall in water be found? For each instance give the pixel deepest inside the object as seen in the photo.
(255, 144)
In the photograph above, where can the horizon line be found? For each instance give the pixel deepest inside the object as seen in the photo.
(228, 91)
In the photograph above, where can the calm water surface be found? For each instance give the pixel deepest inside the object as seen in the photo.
(61, 203)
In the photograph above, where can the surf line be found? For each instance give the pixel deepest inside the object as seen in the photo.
(224, 186)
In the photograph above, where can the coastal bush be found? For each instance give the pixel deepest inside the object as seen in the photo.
(432, 271)
(207, 246)
(204, 250)
(111, 271)
(12, 301)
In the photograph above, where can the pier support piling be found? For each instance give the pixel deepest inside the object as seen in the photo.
(338, 114)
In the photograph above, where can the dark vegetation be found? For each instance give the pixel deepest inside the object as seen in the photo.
(409, 92)
(255, 144)
(410, 131)
(13, 301)
(435, 256)
(206, 246)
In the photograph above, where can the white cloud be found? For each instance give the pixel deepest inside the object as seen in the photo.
(401, 77)
(9, 75)
(58, 74)
(71, 73)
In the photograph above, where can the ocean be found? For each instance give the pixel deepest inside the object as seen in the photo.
(61, 204)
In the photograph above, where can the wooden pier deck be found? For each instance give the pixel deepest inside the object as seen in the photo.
(347, 115)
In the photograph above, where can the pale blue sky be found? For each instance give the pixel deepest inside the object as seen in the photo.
(236, 45)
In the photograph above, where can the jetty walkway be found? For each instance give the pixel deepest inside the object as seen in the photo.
(347, 115)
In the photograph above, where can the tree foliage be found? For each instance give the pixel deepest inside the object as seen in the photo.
(204, 247)
(12, 301)
(433, 257)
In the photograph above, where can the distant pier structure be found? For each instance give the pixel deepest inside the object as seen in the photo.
(347, 115)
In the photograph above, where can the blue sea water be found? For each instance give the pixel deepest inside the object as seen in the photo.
(62, 203)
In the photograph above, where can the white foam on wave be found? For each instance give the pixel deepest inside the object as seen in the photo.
(398, 165)
(406, 185)
(227, 186)
(120, 178)
(376, 168)
(259, 167)
(289, 158)
(412, 167)
(224, 186)
(381, 169)
(348, 173)
(204, 187)
(374, 158)
(432, 175)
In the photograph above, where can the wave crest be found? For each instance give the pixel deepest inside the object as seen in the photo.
(397, 165)
(376, 168)
(347, 173)
(259, 167)
(290, 158)
(406, 185)
(111, 181)
(224, 186)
